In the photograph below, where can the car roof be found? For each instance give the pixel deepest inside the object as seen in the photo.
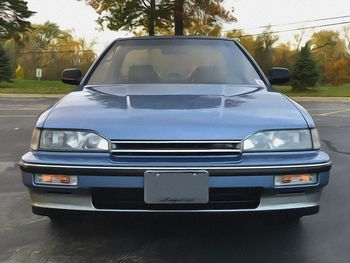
(174, 37)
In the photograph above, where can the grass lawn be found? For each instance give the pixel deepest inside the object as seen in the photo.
(35, 87)
(322, 91)
(57, 87)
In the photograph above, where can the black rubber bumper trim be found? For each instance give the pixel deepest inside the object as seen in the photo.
(63, 212)
(135, 171)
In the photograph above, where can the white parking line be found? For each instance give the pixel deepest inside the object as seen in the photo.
(18, 116)
(319, 109)
(21, 109)
(5, 165)
(333, 112)
(23, 106)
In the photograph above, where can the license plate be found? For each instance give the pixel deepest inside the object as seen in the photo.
(176, 187)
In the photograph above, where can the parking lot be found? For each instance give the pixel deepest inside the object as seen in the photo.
(25, 237)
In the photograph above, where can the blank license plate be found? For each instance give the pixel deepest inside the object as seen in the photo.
(174, 187)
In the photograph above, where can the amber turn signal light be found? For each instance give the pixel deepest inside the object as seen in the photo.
(56, 179)
(295, 179)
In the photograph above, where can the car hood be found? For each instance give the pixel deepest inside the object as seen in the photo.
(175, 112)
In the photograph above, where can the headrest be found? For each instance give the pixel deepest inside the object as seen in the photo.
(142, 74)
(206, 75)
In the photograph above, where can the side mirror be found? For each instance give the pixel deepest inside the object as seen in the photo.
(71, 76)
(279, 76)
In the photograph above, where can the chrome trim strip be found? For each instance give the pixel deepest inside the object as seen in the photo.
(175, 142)
(191, 147)
(318, 165)
(179, 151)
(183, 211)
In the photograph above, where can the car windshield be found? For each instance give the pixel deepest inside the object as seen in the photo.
(182, 61)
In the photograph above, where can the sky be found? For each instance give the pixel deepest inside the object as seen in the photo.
(76, 15)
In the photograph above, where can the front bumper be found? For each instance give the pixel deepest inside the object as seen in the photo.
(268, 202)
(251, 171)
(271, 198)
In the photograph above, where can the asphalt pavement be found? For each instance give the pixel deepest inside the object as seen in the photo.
(24, 237)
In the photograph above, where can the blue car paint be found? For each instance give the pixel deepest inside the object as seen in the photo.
(305, 114)
(175, 112)
(266, 182)
(246, 159)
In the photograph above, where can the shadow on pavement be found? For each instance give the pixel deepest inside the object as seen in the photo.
(180, 238)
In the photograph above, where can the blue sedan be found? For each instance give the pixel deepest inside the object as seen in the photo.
(175, 124)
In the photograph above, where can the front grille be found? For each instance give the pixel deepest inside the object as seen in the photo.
(176, 148)
(133, 199)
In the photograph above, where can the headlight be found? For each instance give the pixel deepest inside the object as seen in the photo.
(282, 140)
(65, 140)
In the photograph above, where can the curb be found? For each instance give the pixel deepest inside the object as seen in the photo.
(321, 99)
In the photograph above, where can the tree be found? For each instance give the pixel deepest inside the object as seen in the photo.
(261, 47)
(5, 70)
(159, 16)
(329, 50)
(305, 71)
(48, 47)
(346, 35)
(179, 16)
(327, 47)
(264, 50)
(283, 56)
(147, 15)
(204, 17)
(248, 41)
(13, 15)
(338, 73)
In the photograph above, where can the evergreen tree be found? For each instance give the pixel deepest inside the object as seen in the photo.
(305, 72)
(13, 15)
(5, 70)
